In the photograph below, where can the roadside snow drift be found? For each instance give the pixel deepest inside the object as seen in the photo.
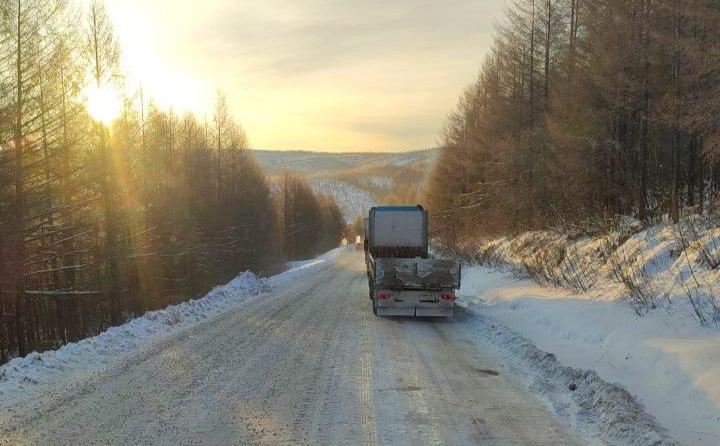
(676, 267)
(639, 306)
(22, 377)
(580, 397)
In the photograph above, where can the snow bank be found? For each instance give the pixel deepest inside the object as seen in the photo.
(583, 399)
(638, 305)
(303, 268)
(669, 363)
(21, 377)
(676, 267)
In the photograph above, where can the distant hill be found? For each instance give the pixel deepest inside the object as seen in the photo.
(276, 161)
(357, 181)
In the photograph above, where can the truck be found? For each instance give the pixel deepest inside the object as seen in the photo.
(403, 279)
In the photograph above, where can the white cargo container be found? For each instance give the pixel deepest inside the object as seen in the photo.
(399, 226)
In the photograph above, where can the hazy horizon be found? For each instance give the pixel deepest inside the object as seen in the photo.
(345, 152)
(334, 75)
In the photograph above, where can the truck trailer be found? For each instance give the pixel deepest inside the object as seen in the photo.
(403, 279)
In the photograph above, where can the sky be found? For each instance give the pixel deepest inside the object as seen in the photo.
(330, 75)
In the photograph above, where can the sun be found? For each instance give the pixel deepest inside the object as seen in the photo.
(103, 103)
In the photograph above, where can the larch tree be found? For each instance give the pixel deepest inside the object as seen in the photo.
(584, 110)
(103, 54)
(27, 36)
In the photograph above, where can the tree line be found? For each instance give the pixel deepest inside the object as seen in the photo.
(305, 219)
(584, 110)
(100, 222)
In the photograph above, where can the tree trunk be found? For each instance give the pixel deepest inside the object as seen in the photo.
(692, 169)
(675, 192)
(548, 23)
(18, 222)
(531, 79)
(644, 111)
(574, 4)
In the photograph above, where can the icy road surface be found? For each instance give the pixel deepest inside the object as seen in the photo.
(307, 365)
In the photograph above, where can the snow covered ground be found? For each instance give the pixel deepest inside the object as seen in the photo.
(23, 378)
(516, 321)
(276, 161)
(667, 361)
(376, 181)
(638, 305)
(309, 364)
(676, 268)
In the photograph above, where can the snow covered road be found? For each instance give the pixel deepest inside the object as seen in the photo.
(308, 364)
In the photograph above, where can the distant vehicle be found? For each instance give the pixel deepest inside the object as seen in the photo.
(402, 278)
(358, 242)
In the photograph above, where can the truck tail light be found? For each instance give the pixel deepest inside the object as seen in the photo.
(383, 295)
(447, 296)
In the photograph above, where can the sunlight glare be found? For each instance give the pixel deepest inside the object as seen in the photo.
(104, 103)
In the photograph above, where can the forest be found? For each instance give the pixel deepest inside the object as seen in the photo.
(584, 111)
(103, 217)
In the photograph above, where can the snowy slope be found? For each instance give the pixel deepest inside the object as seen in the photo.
(676, 268)
(277, 161)
(666, 360)
(352, 200)
(356, 181)
(627, 304)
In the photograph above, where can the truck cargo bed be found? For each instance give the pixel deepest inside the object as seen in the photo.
(415, 274)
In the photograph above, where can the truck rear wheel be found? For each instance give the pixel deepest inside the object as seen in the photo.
(375, 308)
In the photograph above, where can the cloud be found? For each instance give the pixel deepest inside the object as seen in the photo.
(315, 60)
